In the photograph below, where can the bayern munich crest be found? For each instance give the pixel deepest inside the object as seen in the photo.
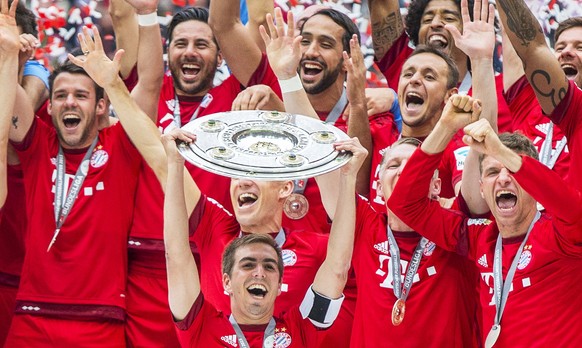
(429, 249)
(289, 257)
(282, 340)
(524, 259)
(99, 158)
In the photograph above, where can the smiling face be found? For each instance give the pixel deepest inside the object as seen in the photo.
(432, 30)
(422, 92)
(512, 206)
(568, 51)
(322, 63)
(258, 205)
(193, 58)
(254, 283)
(73, 108)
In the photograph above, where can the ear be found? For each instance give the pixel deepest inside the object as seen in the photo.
(101, 108)
(286, 189)
(279, 289)
(49, 106)
(219, 59)
(449, 93)
(379, 191)
(435, 188)
(481, 189)
(226, 284)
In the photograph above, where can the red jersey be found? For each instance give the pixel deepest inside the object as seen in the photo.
(441, 306)
(391, 66)
(528, 118)
(567, 116)
(212, 228)
(545, 278)
(205, 326)
(84, 273)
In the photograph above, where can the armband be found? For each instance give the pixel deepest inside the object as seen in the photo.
(320, 310)
(291, 85)
(148, 19)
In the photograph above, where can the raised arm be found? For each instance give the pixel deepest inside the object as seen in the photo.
(257, 11)
(141, 130)
(9, 48)
(333, 272)
(126, 32)
(239, 49)
(150, 64)
(478, 43)
(183, 279)
(387, 25)
(542, 69)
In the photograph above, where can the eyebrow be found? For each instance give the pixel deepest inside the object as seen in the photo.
(445, 11)
(254, 259)
(322, 37)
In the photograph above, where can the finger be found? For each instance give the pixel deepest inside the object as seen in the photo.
(117, 58)
(465, 12)
(88, 39)
(476, 10)
(485, 10)
(348, 62)
(455, 33)
(266, 38)
(260, 104)
(12, 11)
(271, 25)
(236, 104)
(467, 103)
(491, 17)
(477, 109)
(346, 114)
(279, 23)
(297, 44)
(290, 24)
(254, 100)
(78, 62)
(97, 39)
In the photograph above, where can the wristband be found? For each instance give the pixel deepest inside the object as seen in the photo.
(291, 85)
(148, 19)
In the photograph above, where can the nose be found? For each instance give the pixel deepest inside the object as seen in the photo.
(504, 177)
(401, 167)
(311, 50)
(191, 50)
(259, 272)
(70, 101)
(567, 51)
(437, 22)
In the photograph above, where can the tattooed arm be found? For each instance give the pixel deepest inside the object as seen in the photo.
(387, 25)
(542, 69)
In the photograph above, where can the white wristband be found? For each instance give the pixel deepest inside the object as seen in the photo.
(291, 85)
(148, 19)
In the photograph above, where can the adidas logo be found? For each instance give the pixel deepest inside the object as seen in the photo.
(382, 247)
(483, 261)
(230, 339)
(544, 127)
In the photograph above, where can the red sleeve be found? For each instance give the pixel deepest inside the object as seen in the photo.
(409, 201)
(185, 323)
(565, 114)
(522, 101)
(560, 200)
(391, 63)
(265, 76)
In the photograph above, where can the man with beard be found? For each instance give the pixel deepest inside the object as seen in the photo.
(554, 76)
(72, 288)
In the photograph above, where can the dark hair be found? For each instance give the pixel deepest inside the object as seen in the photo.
(415, 13)
(25, 19)
(69, 67)
(517, 142)
(228, 259)
(453, 76)
(188, 14)
(567, 24)
(343, 21)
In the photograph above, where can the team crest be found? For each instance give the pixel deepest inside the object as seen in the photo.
(289, 257)
(429, 249)
(524, 260)
(99, 158)
(282, 340)
(478, 222)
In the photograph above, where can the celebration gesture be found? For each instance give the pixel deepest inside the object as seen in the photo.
(460, 111)
(143, 7)
(282, 46)
(356, 76)
(9, 38)
(478, 38)
(95, 62)
(481, 137)
(359, 154)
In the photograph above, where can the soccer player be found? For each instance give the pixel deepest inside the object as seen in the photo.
(525, 258)
(252, 271)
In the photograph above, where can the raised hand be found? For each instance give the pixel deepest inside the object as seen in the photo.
(282, 47)
(95, 62)
(481, 137)
(356, 76)
(478, 38)
(460, 111)
(359, 154)
(170, 141)
(143, 7)
(9, 38)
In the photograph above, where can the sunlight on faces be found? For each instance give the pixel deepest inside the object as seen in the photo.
(568, 51)
(74, 110)
(432, 30)
(422, 89)
(254, 282)
(256, 203)
(322, 61)
(193, 58)
(508, 202)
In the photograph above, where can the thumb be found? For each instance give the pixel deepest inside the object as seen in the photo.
(455, 33)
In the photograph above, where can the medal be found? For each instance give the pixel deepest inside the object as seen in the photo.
(492, 336)
(398, 312)
(296, 206)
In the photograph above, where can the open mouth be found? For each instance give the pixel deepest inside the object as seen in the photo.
(505, 200)
(311, 69)
(71, 121)
(570, 70)
(257, 290)
(438, 41)
(247, 199)
(413, 100)
(190, 70)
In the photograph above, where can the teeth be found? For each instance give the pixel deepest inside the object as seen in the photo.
(257, 287)
(190, 66)
(413, 94)
(504, 192)
(311, 66)
(247, 195)
(437, 38)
